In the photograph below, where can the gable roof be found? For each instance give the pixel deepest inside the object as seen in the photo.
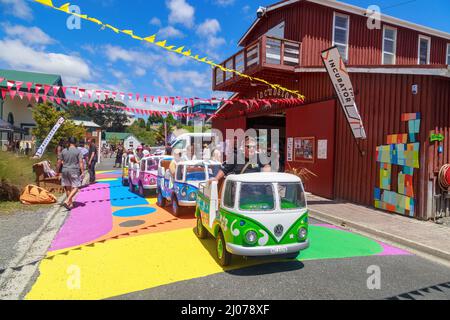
(34, 77)
(117, 135)
(355, 10)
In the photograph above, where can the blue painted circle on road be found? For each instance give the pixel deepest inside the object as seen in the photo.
(134, 212)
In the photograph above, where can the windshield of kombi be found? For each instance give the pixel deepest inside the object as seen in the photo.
(256, 197)
(292, 196)
(152, 165)
(195, 173)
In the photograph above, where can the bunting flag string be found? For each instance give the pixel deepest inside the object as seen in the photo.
(163, 44)
(167, 100)
(254, 106)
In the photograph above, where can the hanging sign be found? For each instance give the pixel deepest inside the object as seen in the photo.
(290, 149)
(40, 151)
(344, 89)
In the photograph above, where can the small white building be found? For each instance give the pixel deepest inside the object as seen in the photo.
(129, 140)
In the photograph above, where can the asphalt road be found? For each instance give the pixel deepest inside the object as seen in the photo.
(402, 277)
(172, 263)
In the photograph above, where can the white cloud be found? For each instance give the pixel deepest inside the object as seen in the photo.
(181, 12)
(140, 72)
(224, 3)
(32, 35)
(209, 27)
(209, 30)
(141, 58)
(18, 8)
(169, 80)
(170, 32)
(19, 56)
(155, 21)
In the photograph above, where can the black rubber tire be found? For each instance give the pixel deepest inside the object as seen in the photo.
(292, 256)
(161, 201)
(200, 230)
(224, 258)
(176, 209)
(125, 182)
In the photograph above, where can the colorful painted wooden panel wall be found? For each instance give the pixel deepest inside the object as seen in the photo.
(401, 150)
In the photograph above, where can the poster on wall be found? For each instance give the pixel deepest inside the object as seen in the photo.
(322, 149)
(290, 149)
(304, 149)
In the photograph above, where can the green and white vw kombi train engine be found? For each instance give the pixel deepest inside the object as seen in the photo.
(256, 214)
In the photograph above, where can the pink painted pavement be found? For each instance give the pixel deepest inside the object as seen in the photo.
(81, 227)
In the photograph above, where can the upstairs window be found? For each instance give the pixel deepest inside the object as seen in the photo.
(341, 24)
(424, 50)
(389, 45)
(448, 54)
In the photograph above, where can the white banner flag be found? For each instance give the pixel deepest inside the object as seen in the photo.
(344, 89)
(40, 151)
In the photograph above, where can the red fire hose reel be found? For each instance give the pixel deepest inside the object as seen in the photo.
(444, 177)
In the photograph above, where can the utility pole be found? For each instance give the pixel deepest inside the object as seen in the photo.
(165, 133)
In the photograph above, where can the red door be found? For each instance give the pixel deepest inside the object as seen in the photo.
(312, 130)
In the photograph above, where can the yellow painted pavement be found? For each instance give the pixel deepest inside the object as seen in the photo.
(128, 265)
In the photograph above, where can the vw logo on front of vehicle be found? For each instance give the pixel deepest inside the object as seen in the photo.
(278, 230)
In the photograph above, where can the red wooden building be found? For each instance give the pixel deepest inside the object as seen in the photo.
(396, 69)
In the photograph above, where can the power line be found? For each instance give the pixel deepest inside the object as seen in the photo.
(398, 4)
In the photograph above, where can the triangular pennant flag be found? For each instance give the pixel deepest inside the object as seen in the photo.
(51, 98)
(46, 89)
(74, 90)
(81, 92)
(1, 79)
(159, 99)
(150, 39)
(137, 96)
(166, 100)
(21, 94)
(64, 89)
(56, 90)
(12, 94)
(29, 84)
(45, 2)
(58, 100)
(65, 7)
(4, 91)
(98, 93)
(29, 96)
(152, 98)
(37, 88)
(130, 96)
(172, 101)
(44, 98)
(114, 95)
(112, 28)
(122, 96)
(106, 94)
(89, 93)
(10, 84)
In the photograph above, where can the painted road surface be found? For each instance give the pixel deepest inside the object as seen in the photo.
(116, 244)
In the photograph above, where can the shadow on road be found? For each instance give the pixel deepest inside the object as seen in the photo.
(241, 266)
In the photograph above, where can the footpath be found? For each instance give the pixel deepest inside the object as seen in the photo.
(420, 237)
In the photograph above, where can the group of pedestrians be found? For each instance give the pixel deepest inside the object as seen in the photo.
(76, 165)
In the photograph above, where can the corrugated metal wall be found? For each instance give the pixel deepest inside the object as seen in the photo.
(312, 25)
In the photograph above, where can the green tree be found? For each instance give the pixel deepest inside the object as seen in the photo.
(110, 119)
(45, 115)
(148, 137)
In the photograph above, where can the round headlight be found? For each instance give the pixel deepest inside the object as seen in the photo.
(251, 237)
(302, 233)
(192, 196)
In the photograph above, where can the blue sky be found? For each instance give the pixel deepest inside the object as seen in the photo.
(35, 38)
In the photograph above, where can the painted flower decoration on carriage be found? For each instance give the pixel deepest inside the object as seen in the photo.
(181, 183)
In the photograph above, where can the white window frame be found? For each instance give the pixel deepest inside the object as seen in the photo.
(422, 37)
(448, 54)
(383, 52)
(337, 14)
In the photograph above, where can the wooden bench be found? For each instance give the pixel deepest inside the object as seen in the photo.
(52, 184)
